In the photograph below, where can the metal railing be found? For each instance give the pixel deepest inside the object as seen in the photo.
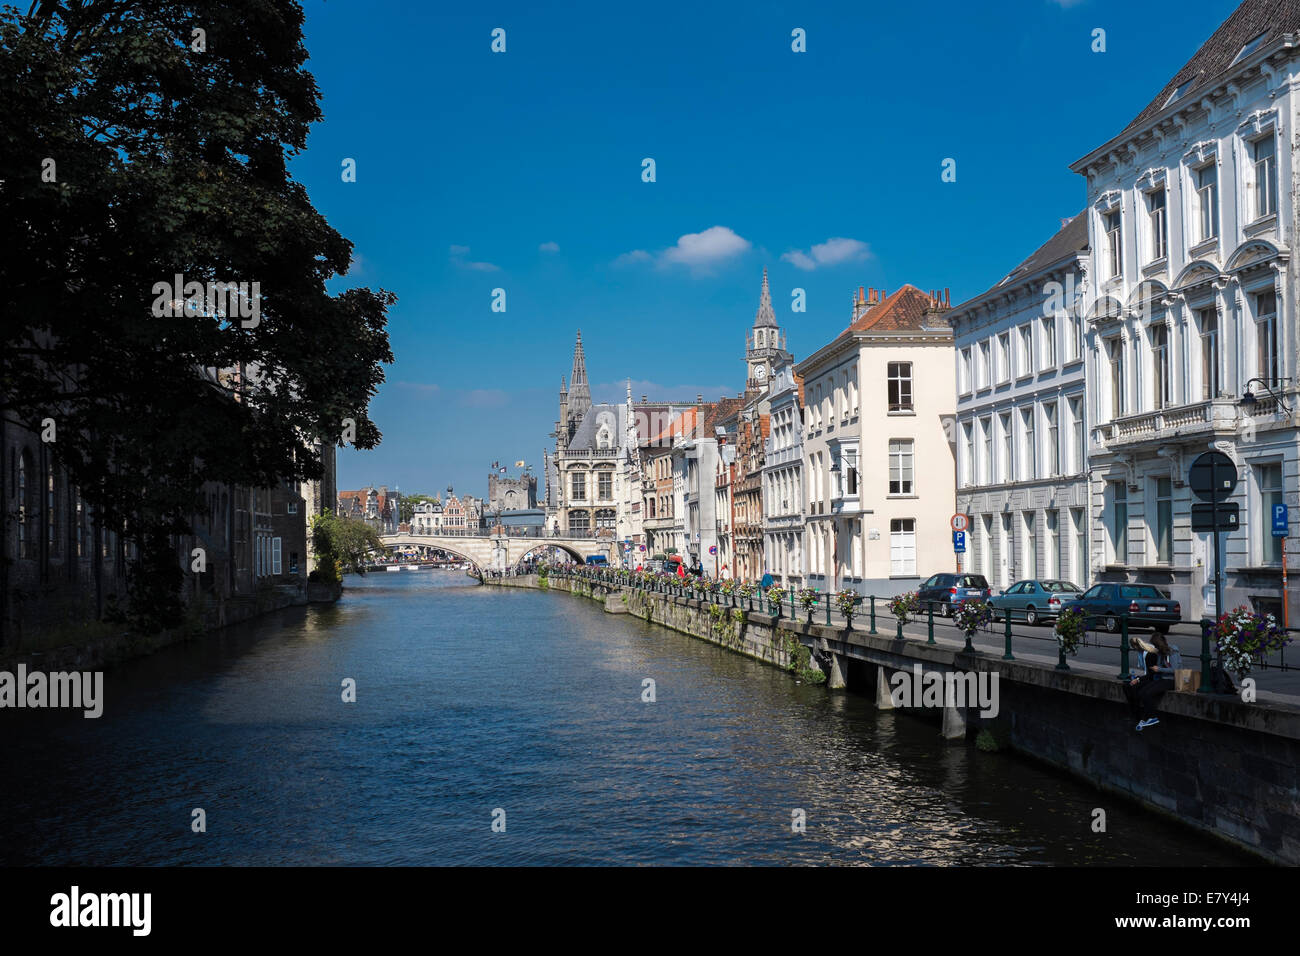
(869, 609)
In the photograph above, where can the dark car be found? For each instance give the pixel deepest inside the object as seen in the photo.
(1145, 605)
(1031, 601)
(598, 560)
(945, 590)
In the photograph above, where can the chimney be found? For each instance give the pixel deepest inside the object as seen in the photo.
(946, 302)
(699, 398)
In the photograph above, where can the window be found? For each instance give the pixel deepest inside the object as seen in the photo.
(276, 566)
(1029, 455)
(902, 546)
(1158, 223)
(1031, 544)
(1264, 166)
(900, 465)
(52, 539)
(579, 522)
(963, 371)
(900, 387)
(968, 452)
(1079, 435)
(578, 485)
(1160, 365)
(1270, 494)
(1053, 438)
(1080, 570)
(1025, 353)
(986, 365)
(605, 518)
(1266, 337)
(1005, 472)
(1049, 342)
(1004, 357)
(1074, 341)
(26, 546)
(1053, 544)
(1164, 530)
(1209, 353)
(1115, 350)
(1206, 180)
(1119, 522)
(293, 506)
(1114, 252)
(986, 463)
(605, 485)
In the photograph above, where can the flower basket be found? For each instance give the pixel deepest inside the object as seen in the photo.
(1241, 636)
(904, 606)
(1070, 629)
(846, 602)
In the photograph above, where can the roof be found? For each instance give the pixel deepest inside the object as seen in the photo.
(904, 310)
(1253, 19)
(613, 416)
(1069, 242)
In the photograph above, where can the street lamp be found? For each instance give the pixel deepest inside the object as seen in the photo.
(1249, 401)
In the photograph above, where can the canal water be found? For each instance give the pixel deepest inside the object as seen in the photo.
(472, 699)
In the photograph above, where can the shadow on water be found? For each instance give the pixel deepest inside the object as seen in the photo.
(473, 699)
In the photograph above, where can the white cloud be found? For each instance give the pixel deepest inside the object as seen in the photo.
(832, 252)
(705, 248)
(458, 254)
(419, 387)
(696, 250)
(484, 398)
(549, 247)
(629, 258)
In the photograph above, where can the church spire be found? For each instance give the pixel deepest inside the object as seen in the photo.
(579, 389)
(765, 318)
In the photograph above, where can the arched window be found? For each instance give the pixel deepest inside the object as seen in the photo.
(579, 522)
(53, 540)
(605, 518)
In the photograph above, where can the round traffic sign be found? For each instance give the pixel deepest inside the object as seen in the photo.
(1213, 475)
(960, 522)
(713, 549)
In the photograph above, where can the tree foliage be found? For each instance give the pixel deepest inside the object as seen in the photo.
(341, 545)
(168, 160)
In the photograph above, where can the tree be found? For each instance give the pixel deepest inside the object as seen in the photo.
(133, 153)
(409, 502)
(341, 545)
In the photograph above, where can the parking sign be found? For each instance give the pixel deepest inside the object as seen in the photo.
(959, 542)
(1279, 521)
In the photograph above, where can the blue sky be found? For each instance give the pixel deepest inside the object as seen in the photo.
(523, 171)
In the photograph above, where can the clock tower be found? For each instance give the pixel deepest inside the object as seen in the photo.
(764, 344)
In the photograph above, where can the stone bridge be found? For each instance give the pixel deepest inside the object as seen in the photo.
(501, 551)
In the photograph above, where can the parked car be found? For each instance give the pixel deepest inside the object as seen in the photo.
(1145, 605)
(945, 590)
(1034, 600)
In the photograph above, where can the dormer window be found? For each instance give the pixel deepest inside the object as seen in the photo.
(1179, 93)
(1250, 48)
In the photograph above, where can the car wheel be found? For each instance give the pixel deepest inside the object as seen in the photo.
(1112, 624)
(1031, 616)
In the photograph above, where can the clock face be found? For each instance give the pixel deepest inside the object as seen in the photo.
(760, 373)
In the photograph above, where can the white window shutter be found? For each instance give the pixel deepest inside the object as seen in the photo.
(275, 555)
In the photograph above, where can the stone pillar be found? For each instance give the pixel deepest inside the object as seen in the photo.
(954, 721)
(835, 679)
(884, 701)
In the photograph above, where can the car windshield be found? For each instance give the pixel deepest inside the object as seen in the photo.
(1140, 591)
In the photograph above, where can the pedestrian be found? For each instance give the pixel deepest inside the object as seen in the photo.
(1147, 687)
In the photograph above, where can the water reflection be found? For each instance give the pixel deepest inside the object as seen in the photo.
(472, 698)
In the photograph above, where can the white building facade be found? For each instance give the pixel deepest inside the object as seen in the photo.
(877, 462)
(783, 490)
(1192, 215)
(1022, 465)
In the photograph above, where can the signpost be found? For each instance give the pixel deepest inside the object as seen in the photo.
(1212, 478)
(959, 524)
